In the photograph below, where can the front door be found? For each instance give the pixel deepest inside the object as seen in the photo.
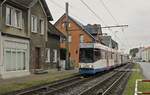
(37, 58)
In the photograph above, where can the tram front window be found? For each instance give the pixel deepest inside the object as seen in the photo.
(86, 55)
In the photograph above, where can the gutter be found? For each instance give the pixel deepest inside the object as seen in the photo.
(3, 2)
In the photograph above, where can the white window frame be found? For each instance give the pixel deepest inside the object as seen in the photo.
(69, 25)
(54, 55)
(81, 38)
(42, 25)
(19, 22)
(34, 24)
(16, 62)
(69, 38)
(13, 17)
(8, 16)
(48, 55)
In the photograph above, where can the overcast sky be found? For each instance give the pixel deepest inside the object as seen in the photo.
(135, 13)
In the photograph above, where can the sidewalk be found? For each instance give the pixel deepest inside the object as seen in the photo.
(14, 84)
(145, 66)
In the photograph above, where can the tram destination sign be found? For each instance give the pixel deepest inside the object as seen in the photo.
(86, 45)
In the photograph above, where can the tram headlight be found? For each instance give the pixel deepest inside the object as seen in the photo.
(91, 66)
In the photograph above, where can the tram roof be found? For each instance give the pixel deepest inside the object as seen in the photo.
(97, 46)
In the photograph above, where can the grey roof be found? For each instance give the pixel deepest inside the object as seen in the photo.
(77, 23)
(28, 3)
(82, 26)
(52, 30)
(93, 29)
(23, 2)
(107, 40)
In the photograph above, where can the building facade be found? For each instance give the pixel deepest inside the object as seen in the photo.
(146, 54)
(53, 47)
(77, 35)
(138, 56)
(95, 30)
(39, 17)
(14, 40)
(108, 41)
(23, 36)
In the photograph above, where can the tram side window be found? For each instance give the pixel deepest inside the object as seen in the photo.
(97, 55)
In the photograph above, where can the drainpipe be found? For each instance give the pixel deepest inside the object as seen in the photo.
(1, 9)
(1, 30)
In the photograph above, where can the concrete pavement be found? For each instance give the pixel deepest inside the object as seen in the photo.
(145, 66)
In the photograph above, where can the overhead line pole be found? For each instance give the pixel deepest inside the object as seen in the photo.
(67, 41)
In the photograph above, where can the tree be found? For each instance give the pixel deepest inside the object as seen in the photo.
(134, 51)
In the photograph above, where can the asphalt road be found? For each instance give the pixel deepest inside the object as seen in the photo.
(146, 69)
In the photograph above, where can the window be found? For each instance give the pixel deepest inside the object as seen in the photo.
(62, 39)
(69, 38)
(7, 60)
(69, 25)
(86, 55)
(81, 38)
(13, 17)
(8, 16)
(48, 55)
(54, 55)
(18, 18)
(42, 26)
(34, 24)
(14, 59)
(64, 25)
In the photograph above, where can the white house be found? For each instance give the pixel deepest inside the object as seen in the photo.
(146, 54)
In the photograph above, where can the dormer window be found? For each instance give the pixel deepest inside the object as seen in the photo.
(13, 17)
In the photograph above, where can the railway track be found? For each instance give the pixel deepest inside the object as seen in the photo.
(109, 86)
(36, 90)
(94, 85)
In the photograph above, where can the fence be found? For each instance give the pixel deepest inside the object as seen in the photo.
(136, 87)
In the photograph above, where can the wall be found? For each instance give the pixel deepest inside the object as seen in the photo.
(146, 55)
(22, 32)
(14, 43)
(75, 32)
(53, 43)
(37, 39)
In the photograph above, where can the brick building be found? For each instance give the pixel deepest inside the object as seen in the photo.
(77, 35)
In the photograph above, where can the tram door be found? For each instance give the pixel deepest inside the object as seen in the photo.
(121, 58)
(107, 60)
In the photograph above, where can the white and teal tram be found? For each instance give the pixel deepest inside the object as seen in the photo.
(95, 57)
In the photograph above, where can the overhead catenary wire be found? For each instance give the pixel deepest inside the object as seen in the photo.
(61, 7)
(96, 15)
(92, 11)
(107, 9)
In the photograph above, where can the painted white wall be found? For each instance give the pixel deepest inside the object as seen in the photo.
(16, 43)
(146, 54)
